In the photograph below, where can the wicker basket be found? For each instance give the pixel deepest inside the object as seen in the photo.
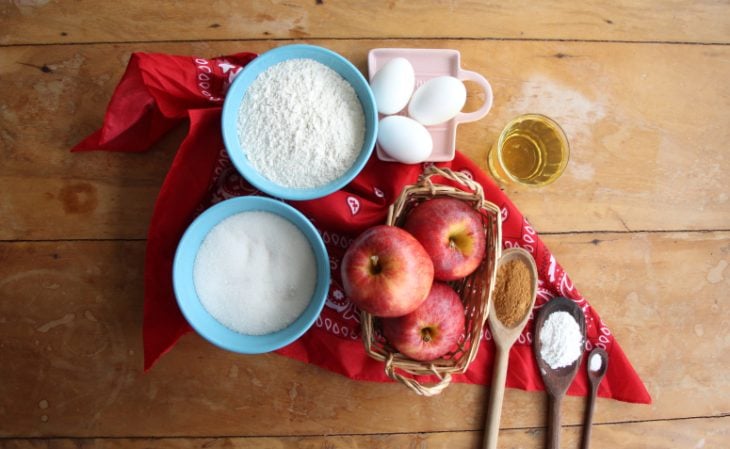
(474, 290)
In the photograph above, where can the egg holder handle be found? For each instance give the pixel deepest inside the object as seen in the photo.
(475, 290)
(465, 117)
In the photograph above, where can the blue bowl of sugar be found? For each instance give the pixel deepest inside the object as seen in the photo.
(299, 122)
(251, 274)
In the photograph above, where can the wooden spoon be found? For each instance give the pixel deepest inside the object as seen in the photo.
(595, 378)
(504, 338)
(557, 380)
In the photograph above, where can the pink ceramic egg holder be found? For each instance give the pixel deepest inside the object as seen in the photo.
(427, 64)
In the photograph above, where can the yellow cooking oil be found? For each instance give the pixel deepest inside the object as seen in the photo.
(532, 150)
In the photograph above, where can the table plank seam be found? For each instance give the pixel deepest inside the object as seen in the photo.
(365, 38)
(354, 434)
(547, 233)
(638, 231)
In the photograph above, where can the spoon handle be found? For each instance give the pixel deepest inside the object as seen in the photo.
(553, 433)
(496, 394)
(588, 421)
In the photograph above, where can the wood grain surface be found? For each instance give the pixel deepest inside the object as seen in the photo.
(41, 21)
(640, 219)
(75, 346)
(638, 161)
(691, 433)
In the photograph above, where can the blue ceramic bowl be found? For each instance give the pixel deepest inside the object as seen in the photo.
(198, 316)
(237, 91)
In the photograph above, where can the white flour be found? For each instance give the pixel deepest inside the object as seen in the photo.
(255, 272)
(561, 339)
(301, 124)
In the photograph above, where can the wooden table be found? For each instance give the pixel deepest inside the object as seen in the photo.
(641, 220)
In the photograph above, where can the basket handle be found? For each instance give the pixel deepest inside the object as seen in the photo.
(449, 174)
(418, 388)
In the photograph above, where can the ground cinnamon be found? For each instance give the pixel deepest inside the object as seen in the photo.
(512, 292)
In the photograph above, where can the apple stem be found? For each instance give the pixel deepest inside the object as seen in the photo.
(374, 266)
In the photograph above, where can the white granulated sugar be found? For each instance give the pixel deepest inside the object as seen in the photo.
(301, 124)
(255, 272)
(561, 339)
(595, 363)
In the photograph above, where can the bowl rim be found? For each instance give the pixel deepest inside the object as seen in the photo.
(237, 90)
(189, 302)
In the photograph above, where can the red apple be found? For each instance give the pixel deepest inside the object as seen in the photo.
(386, 272)
(452, 233)
(430, 331)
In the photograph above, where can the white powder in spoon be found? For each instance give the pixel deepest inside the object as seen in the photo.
(301, 124)
(561, 339)
(255, 272)
(595, 362)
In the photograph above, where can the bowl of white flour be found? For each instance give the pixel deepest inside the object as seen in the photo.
(251, 274)
(299, 122)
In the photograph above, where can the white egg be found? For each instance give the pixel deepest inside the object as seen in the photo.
(438, 100)
(393, 85)
(404, 139)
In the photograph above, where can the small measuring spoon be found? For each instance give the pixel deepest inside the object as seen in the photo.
(558, 380)
(595, 377)
(504, 338)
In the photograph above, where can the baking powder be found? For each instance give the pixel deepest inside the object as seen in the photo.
(561, 339)
(301, 124)
(595, 362)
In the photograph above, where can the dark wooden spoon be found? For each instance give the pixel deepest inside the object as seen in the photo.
(595, 378)
(558, 380)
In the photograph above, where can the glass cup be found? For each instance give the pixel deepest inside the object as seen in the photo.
(532, 150)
